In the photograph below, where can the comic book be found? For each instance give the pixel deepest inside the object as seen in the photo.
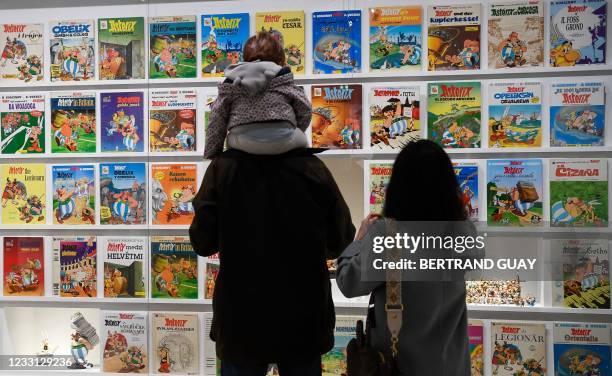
(394, 117)
(46, 332)
(212, 364)
(121, 49)
(336, 116)
(124, 266)
(23, 194)
(514, 192)
(577, 32)
(582, 277)
(73, 122)
(23, 123)
(211, 271)
(75, 267)
(22, 56)
(476, 338)
(24, 266)
(379, 173)
(72, 48)
(518, 348)
(209, 99)
(175, 343)
(334, 362)
(123, 193)
(582, 349)
(395, 38)
(515, 114)
(223, 38)
(453, 114)
(124, 342)
(288, 27)
(74, 194)
(467, 177)
(579, 192)
(516, 34)
(577, 114)
(336, 41)
(174, 268)
(172, 52)
(122, 122)
(173, 188)
(453, 37)
(172, 120)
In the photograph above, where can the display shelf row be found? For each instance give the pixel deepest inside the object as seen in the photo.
(172, 47)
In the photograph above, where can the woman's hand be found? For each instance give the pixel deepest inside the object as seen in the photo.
(365, 225)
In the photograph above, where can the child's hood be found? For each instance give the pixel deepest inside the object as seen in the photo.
(253, 76)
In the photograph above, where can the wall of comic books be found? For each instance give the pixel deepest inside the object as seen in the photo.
(103, 109)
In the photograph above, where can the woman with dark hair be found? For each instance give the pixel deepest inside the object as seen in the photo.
(433, 338)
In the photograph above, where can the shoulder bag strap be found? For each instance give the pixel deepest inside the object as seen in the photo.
(393, 304)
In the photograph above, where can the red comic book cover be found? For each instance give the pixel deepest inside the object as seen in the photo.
(24, 270)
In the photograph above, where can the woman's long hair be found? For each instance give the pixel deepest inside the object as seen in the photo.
(423, 185)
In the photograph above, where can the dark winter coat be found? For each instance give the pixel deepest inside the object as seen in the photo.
(275, 220)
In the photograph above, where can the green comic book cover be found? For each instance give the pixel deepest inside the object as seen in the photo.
(121, 49)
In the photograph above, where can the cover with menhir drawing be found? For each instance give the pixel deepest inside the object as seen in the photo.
(467, 177)
(173, 188)
(336, 116)
(453, 114)
(378, 175)
(172, 120)
(476, 343)
(514, 192)
(582, 349)
(334, 362)
(395, 38)
(577, 32)
(124, 263)
(75, 267)
(23, 194)
(175, 343)
(174, 268)
(222, 41)
(23, 52)
(584, 278)
(578, 192)
(453, 37)
(394, 117)
(172, 52)
(577, 114)
(23, 123)
(122, 122)
(516, 34)
(123, 193)
(515, 114)
(121, 48)
(288, 28)
(336, 41)
(73, 122)
(72, 50)
(24, 265)
(124, 341)
(74, 194)
(518, 348)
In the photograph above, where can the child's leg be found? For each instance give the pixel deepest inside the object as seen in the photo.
(266, 139)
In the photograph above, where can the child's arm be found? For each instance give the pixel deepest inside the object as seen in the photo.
(217, 127)
(302, 108)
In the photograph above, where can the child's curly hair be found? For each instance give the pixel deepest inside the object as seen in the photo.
(264, 46)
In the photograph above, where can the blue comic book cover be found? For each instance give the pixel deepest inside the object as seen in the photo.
(582, 349)
(74, 196)
(577, 114)
(123, 193)
(577, 32)
(223, 37)
(467, 177)
(336, 40)
(122, 122)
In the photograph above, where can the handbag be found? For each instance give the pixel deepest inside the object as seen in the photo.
(362, 358)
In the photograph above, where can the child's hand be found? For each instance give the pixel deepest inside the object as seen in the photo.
(365, 225)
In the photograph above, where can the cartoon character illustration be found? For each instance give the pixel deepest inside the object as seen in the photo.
(164, 359)
(13, 190)
(112, 64)
(66, 204)
(512, 51)
(506, 355)
(84, 339)
(126, 126)
(158, 197)
(33, 208)
(563, 54)
(468, 57)
(132, 359)
(166, 61)
(182, 203)
(574, 209)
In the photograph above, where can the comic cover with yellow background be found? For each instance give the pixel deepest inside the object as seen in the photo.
(288, 28)
(173, 188)
(23, 194)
